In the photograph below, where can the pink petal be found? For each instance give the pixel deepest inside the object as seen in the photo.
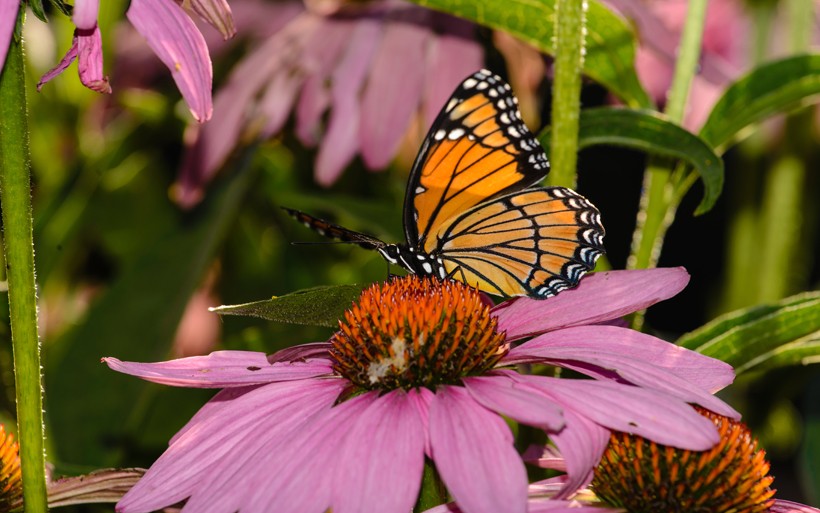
(394, 87)
(266, 412)
(90, 60)
(341, 141)
(647, 413)
(422, 398)
(474, 454)
(175, 39)
(604, 342)
(301, 352)
(213, 409)
(381, 465)
(544, 457)
(599, 297)
(66, 61)
(497, 394)
(8, 19)
(275, 105)
(300, 478)
(222, 369)
(85, 14)
(781, 506)
(452, 55)
(581, 443)
(217, 13)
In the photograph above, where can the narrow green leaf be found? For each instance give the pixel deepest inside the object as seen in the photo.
(772, 88)
(37, 9)
(610, 51)
(317, 306)
(764, 336)
(651, 132)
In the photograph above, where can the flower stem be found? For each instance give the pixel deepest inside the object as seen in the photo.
(15, 198)
(658, 206)
(570, 34)
(433, 492)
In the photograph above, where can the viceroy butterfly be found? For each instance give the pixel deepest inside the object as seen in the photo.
(473, 211)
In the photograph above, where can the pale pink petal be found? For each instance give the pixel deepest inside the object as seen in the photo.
(557, 506)
(301, 352)
(581, 443)
(8, 19)
(498, 394)
(176, 40)
(599, 297)
(65, 62)
(222, 369)
(452, 55)
(603, 342)
(647, 413)
(218, 14)
(781, 506)
(544, 457)
(341, 141)
(381, 465)
(474, 454)
(267, 411)
(90, 60)
(299, 479)
(213, 409)
(276, 104)
(394, 89)
(422, 398)
(85, 14)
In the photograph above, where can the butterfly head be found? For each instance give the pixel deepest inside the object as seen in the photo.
(415, 261)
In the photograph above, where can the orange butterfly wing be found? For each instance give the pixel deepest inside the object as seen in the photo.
(477, 149)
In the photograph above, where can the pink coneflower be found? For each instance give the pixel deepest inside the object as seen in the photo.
(423, 368)
(354, 80)
(170, 33)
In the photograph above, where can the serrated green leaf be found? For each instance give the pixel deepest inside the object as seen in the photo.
(610, 51)
(317, 306)
(772, 88)
(651, 132)
(764, 336)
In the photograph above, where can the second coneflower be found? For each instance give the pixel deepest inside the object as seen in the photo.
(422, 368)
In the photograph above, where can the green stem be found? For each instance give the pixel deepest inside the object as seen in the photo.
(433, 491)
(15, 198)
(658, 205)
(570, 32)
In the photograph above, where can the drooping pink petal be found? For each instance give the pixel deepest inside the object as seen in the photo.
(452, 55)
(85, 14)
(544, 457)
(581, 442)
(604, 342)
(8, 19)
(301, 352)
(781, 506)
(341, 140)
(266, 412)
(65, 62)
(365, 479)
(599, 297)
(90, 60)
(498, 394)
(474, 454)
(299, 479)
(392, 93)
(221, 369)
(276, 103)
(176, 40)
(217, 13)
(647, 413)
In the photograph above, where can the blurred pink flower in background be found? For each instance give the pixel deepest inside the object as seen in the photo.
(170, 33)
(354, 80)
(8, 19)
(659, 26)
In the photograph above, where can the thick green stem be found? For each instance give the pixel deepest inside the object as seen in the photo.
(15, 200)
(433, 491)
(658, 204)
(570, 35)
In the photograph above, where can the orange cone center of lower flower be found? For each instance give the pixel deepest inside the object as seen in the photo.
(11, 481)
(416, 332)
(641, 476)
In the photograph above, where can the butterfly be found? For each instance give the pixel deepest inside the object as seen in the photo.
(473, 210)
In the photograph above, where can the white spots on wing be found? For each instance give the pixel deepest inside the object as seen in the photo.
(513, 132)
(470, 83)
(440, 135)
(455, 134)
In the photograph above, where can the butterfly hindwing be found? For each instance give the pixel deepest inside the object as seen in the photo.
(536, 242)
(478, 148)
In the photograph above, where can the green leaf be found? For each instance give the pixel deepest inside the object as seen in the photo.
(37, 9)
(610, 51)
(772, 88)
(317, 306)
(135, 319)
(764, 336)
(649, 131)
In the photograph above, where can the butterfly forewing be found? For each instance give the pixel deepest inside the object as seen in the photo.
(477, 149)
(534, 242)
